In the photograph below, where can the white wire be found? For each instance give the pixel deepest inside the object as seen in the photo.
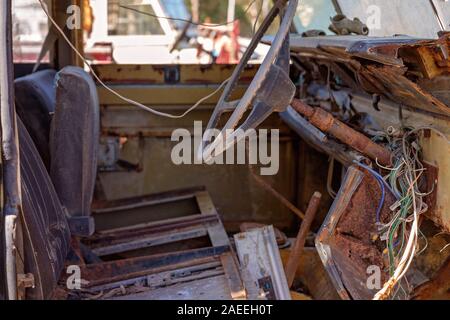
(411, 246)
(128, 100)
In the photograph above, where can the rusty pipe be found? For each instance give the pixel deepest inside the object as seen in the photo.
(327, 123)
(294, 256)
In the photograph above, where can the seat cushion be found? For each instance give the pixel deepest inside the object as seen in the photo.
(35, 104)
(46, 232)
(74, 139)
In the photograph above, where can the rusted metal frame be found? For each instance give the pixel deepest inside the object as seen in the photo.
(115, 271)
(153, 227)
(171, 267)
(350, 184)
(218, 236)
(157, 233)
(10, 156)
(101, 207)
(165, 278)
(150, 240)
(327, 123)
(348, 241)
(198, 275)
(296, 252)
(163, 232)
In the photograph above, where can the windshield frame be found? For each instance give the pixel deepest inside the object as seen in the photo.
(100, 27)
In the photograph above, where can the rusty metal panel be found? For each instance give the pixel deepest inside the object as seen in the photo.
(347, 242)
(161, 74)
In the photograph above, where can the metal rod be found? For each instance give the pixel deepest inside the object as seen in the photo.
(294, 256)
(327, 123)
(277, 195)
(11, 181)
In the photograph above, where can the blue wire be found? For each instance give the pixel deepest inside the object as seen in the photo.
(382, 187)
(376, 174)
(382, 183)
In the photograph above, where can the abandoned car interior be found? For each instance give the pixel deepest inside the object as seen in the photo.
(301, 155)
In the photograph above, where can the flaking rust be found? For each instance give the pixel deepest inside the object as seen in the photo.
(350, 232)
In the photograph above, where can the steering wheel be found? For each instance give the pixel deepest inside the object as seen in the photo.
(270, 91)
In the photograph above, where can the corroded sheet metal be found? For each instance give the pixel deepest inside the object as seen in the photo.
(386, 66)
(347, 242)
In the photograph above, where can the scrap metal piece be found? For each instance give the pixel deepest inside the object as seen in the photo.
(233, 276)
(348, 241)
(282, 239)
(341, 25)
(294, 257)
(111, 272)
(327, 123)
(260, 258)
(156, 233)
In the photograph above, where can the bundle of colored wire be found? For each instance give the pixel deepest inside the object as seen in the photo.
(402, 231)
